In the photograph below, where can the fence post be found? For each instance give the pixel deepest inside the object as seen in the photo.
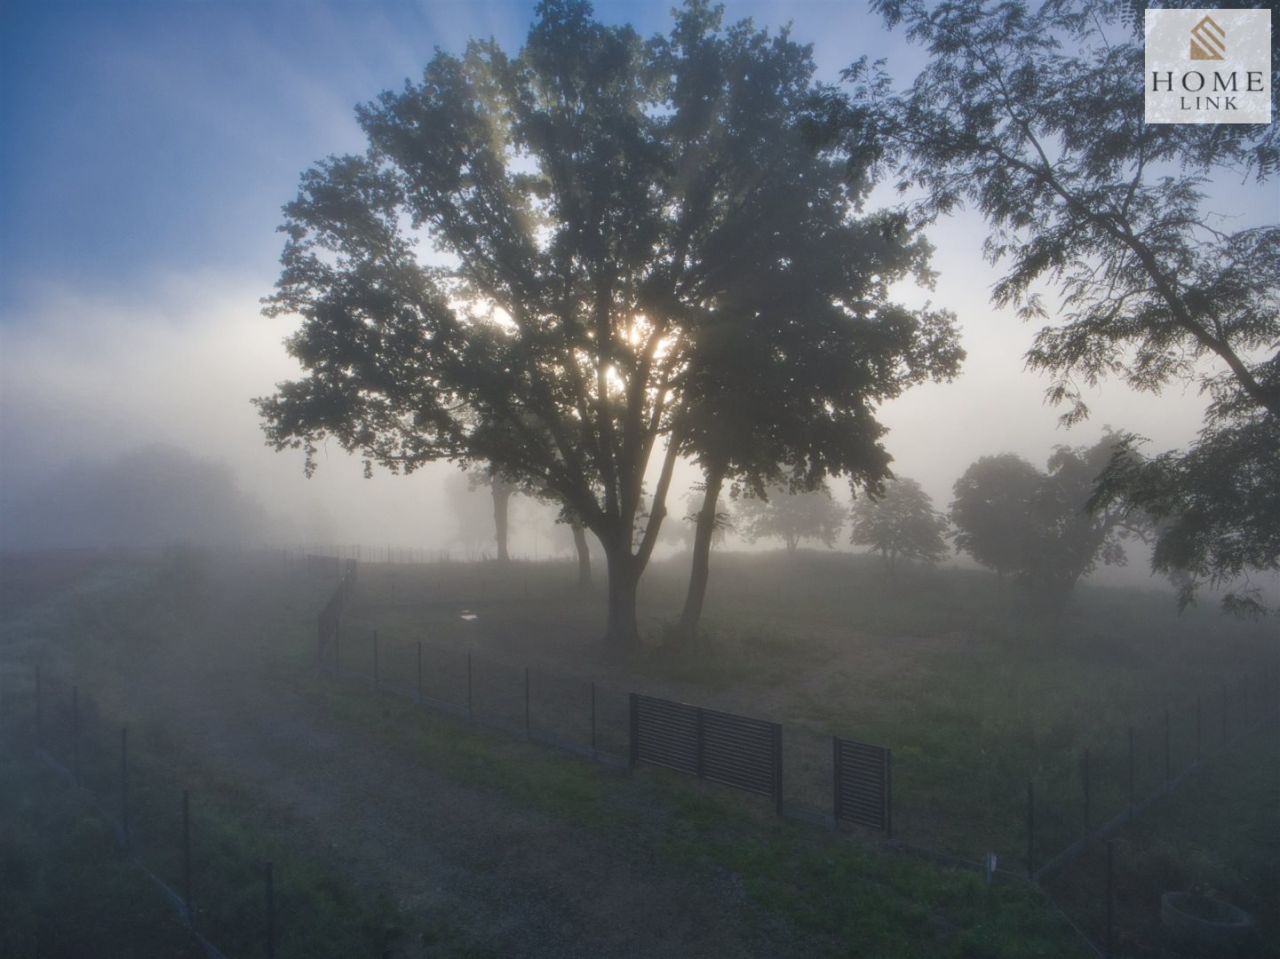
(835, 778)
(1168, 761)
(701, 740)
(470, 713)
(186, 855)
(1031, 831)
(633, 732)
(1197, 729)
(1131, 775)
(777, 768)
(1224, 714)
(39, 706)
(271, 914)
(124, 786)
(888, 792)
(419, 671)
(75, 733)
(593, 720)
(528, 730)
(1084, 781)
(1110, 892)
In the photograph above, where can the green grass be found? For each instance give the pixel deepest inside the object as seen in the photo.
(65, 889)
(941, 665)
(830, 889)
(974, 695)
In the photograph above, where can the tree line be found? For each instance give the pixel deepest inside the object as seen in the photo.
(573, 266)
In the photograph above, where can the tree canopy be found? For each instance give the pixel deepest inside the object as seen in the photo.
(609, 223)
(1038, 526)
(901, 523)
(991, 511)
(1034, 115)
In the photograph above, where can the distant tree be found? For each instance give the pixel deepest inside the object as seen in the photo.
(594, 235)
(790, 516)
(901, 523)
(991, 511)
(471, 512)
(1039, 526)
(1033, 114)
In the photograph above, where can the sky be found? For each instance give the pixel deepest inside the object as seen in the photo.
(148, 147)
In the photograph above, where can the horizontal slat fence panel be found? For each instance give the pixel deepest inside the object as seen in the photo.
(735, 750)
(863, 784)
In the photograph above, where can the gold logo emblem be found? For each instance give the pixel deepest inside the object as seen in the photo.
(1208, 40)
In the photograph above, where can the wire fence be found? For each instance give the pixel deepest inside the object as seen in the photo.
(1070, 804)
(189, 852)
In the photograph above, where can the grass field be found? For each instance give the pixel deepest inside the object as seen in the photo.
(974, 697)
(939, 665)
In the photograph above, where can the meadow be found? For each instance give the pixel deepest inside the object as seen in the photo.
(432, 826)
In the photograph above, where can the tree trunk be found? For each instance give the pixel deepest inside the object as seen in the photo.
(700, 572)
(622, 631)
(501, 500)
(584, 554)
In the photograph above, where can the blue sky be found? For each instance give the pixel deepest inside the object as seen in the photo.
(148, 136)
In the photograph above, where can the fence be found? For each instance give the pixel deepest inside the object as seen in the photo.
(161, 827)
(724, 748)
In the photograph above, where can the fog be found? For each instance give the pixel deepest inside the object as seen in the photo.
(130, 310)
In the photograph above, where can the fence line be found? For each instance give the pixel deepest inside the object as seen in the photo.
(48, 724)
(857, 775)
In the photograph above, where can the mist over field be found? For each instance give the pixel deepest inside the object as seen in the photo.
(603, 480)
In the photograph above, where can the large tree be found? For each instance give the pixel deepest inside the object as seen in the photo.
(1034, 115)
(1037, 525)
(900, 523)
(991, 511)
(586, 237)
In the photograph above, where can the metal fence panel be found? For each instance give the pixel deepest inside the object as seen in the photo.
(665, 733)
(734, 750)
(862, 783)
